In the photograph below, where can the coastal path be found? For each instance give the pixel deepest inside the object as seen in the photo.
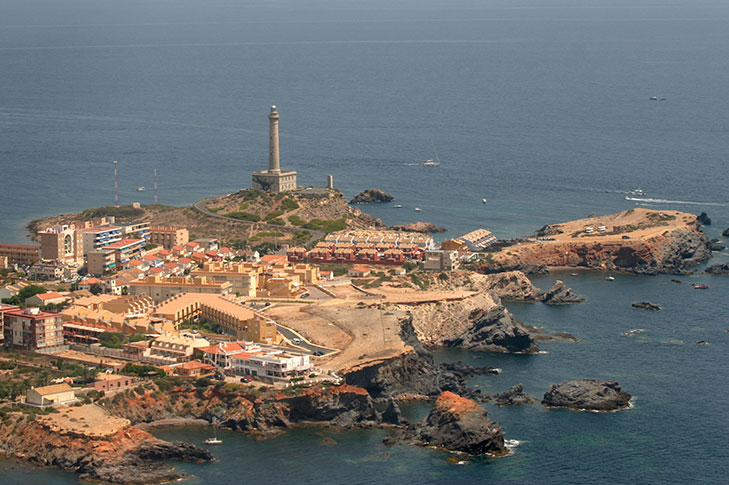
(200, 206)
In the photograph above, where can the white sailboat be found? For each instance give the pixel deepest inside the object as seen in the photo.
(214, 440)
(433, 163)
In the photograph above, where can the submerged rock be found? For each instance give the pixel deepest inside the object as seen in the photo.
(371, 195)
(646, 305)
(587, 395)
(719, 268)
(559, 294)
(725, 232)
(459, 424)
(515, 395)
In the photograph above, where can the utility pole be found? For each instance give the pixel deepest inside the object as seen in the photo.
(116, 185)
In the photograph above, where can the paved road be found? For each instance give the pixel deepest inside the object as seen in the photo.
(291, 335)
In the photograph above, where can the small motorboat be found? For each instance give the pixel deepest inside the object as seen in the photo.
(484, 200)
(417, 209)
(700, 287)
(213, 441)
(610, 278)
(398, 206)
(140, 189)
(574, 274)
(654, 98)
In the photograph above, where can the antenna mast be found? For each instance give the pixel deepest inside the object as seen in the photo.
(116, 186)
(155, 186)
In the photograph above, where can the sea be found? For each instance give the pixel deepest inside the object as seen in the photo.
(542, 107)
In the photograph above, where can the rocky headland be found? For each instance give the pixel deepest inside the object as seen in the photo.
(587, 395)
(371, 196)
(479, 323)
(124, 454)
(639, 240)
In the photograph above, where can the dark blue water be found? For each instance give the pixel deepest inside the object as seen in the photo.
(541, 107)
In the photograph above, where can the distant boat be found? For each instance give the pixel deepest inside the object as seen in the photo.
(139, 189)
(214, 440)
(610, 278)
(638, 191)
(483, 201)
(701, 287)
(417, 209)
(574, 274)
(398, 206)
(654, 98)
(433, 163)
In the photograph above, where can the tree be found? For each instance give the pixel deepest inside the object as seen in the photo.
(96, 289)
(111, 340)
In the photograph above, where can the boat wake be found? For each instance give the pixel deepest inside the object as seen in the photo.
(682, 202)
(511, 444)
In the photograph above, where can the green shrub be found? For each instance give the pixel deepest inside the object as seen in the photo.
(277, 222)
(296, 220)
(244, 216)
(274, 214)
(289, 204)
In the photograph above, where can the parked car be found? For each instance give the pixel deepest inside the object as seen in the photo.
(297, 340)
(246, 379)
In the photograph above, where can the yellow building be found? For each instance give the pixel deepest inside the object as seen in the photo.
(233, 317)
(160, 289)
(55, 395)
(243, 276)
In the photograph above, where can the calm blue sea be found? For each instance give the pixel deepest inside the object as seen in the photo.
(542, 107)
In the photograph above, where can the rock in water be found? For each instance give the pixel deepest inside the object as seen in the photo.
(718, 269)
(392, 414)
(371, 195)
(704, 219)
(558, 294)
(587, 395)
(515, 395)
(459, 424)
(725, 233)
(424, 227)
(646, 305)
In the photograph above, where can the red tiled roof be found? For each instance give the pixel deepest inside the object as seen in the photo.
(157, 270)
(185, 260)
(49, 296)
(171, 265)
(196, 364)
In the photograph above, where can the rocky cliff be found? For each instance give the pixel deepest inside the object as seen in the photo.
(250, 409)
(128, 455)
(479, 323)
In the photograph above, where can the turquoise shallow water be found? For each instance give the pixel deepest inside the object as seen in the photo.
(542, 107)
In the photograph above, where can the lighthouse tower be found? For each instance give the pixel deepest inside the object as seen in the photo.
(273, 179)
